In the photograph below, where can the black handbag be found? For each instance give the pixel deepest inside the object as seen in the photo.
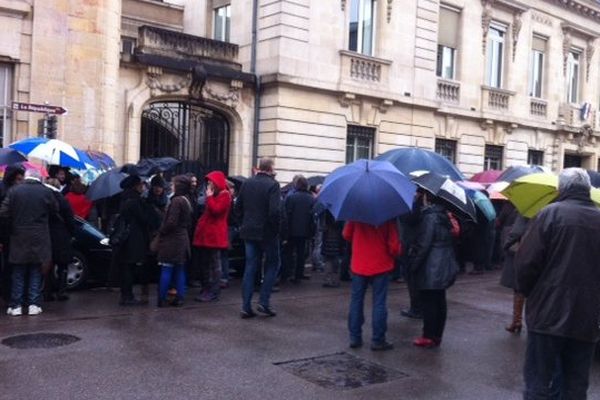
(120, 232)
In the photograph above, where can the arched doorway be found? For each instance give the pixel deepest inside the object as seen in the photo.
(197, 135)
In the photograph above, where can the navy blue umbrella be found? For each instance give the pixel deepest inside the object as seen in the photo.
(10, 156)
(106, 185)
(413, 159)
(372, 192)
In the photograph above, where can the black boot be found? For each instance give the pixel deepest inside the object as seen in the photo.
(62, 286)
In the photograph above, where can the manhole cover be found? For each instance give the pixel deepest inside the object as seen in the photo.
(39, 340)
(340, 371)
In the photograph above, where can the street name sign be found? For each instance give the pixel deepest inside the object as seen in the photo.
(39, 108)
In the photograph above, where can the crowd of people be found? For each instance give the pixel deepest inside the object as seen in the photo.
(548, 262)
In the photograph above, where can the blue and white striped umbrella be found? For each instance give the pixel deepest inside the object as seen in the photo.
(54, 152)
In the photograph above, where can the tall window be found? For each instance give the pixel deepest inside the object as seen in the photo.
(359, 143)
(363, 14)
(495, 56)
(446, 148)
(447, 42)
(5, 101)
(493, 157)
(536, 73)
(222, 23)
(535, 157)
(573, 76)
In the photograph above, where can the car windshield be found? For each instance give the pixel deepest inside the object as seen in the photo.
(90, 229)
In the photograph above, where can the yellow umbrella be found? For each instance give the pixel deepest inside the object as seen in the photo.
(530, 193)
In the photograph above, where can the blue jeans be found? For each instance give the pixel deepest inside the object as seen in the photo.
(34, 294)
(169, 272)
(254, 257)
(556, 367)
(356, 317)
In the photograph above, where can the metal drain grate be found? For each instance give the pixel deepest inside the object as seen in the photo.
(341, 371)
(40, 340)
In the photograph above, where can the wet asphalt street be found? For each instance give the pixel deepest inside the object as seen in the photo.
(205, 351)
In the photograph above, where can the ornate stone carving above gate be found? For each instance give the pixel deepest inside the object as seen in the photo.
(231, 97)
(158, 82)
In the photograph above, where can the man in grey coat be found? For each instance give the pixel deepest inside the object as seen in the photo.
(557, 271)
(27, 209)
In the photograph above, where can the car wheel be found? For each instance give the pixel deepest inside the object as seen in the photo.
(77, 271)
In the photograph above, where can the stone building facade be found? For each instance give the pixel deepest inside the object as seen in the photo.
(488, 83)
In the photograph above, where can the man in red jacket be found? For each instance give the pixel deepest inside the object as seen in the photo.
(373, 252)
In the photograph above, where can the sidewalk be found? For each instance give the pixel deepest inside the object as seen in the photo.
(205, 351)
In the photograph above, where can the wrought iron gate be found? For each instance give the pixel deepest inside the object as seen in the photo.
(196, 135)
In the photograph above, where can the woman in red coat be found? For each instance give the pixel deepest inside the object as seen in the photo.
(374, 250)
(211, 233)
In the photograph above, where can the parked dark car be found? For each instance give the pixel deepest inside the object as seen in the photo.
(91, 256)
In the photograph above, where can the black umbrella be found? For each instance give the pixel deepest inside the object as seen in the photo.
(443, 188)
(515, 172)
(594, 178)
(10, 156)
(238, 181)
(316, 180)
(129, 169)
(151, 166)
(106, 185)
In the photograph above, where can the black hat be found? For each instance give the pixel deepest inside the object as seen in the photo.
(130, 182)
(158, 181)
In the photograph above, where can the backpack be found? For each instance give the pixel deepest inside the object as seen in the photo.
(119, 232)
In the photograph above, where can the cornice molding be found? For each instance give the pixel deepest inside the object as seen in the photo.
(587, 8)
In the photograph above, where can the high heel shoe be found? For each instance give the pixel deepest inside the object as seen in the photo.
(515, 327)
(517, 323)
(426, 342)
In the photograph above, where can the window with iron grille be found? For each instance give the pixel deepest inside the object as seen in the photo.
(572, 161)
(493, 157)
(535, 157)
(359, 143)
(446, 148)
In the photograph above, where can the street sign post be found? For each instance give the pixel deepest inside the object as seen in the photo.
(39, 108)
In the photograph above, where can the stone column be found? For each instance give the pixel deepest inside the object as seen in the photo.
(111, 41)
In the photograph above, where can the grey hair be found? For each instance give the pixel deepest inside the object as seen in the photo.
(33, 174)
(573, 178)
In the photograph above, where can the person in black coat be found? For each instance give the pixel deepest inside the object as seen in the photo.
(557, 271)
(407, 227)
(28, 208)
(333, 249)
(13, 175)
(435, 267)
(300, 227)
(133, 251)
(62, 229)
(258, 208)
